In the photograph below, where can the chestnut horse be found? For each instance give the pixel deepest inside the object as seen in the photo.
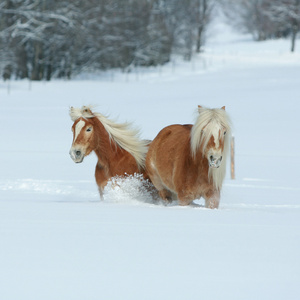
(118, 148)
(189, 161)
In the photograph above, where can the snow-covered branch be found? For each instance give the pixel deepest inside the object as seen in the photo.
(59, 38)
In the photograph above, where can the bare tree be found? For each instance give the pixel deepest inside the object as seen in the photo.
(249, 17)
(29, 29)
(265, 19)
(41, 39)
(285, 14)
(203, 11)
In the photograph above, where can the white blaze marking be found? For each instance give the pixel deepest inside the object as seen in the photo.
(78, 128)
(216, 138)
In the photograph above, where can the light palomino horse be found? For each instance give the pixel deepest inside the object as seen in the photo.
(189, 161)
(118, 148)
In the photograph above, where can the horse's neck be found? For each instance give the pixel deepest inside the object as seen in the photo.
(105, 147)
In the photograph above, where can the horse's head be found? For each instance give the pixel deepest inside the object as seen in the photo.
(210, 133)
(83, 136)
(215, 147)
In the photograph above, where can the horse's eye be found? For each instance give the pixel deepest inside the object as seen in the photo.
(224, 132)
(89, 129)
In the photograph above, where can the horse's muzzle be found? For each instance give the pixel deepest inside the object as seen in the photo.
(215, 162)
(76, 155)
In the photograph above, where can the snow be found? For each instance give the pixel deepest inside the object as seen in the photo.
(59, 241)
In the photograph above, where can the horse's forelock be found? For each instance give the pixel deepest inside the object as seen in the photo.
(83, 112)
(207, 122)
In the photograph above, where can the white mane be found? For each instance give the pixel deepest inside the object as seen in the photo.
(122, 134)
(209, 122)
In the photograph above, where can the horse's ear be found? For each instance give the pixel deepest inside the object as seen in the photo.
(223, 107)
(199, 107)
(86, 111)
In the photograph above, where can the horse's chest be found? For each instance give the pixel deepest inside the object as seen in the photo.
(197, 185)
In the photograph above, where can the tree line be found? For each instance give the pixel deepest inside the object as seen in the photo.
(41, 39)
(44, 39)
(265, 19)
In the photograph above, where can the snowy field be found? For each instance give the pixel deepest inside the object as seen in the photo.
(58, 241)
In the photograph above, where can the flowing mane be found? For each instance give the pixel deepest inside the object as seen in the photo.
(209, 122)
(122, 134)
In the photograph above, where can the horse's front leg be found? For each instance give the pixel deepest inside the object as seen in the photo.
(100, 189)
(185, 197)
(101, 179)
(212, 199)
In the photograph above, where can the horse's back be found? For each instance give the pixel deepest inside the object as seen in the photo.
(170, 134)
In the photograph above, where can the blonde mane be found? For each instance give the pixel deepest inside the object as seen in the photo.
(122, 134)
(208, 122)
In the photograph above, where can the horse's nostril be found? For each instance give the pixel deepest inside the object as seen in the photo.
(78, 153)
(211, 158)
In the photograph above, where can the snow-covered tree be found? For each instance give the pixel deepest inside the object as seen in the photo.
(45, 38)
(249, 17)
(265, 19)
(204, 9)
(186, 22)
(33, 32)
(285, 14)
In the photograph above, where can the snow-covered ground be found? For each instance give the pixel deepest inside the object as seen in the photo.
(58, 241)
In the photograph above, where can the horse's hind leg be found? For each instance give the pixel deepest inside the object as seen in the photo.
(156, 180)
(166, 195)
